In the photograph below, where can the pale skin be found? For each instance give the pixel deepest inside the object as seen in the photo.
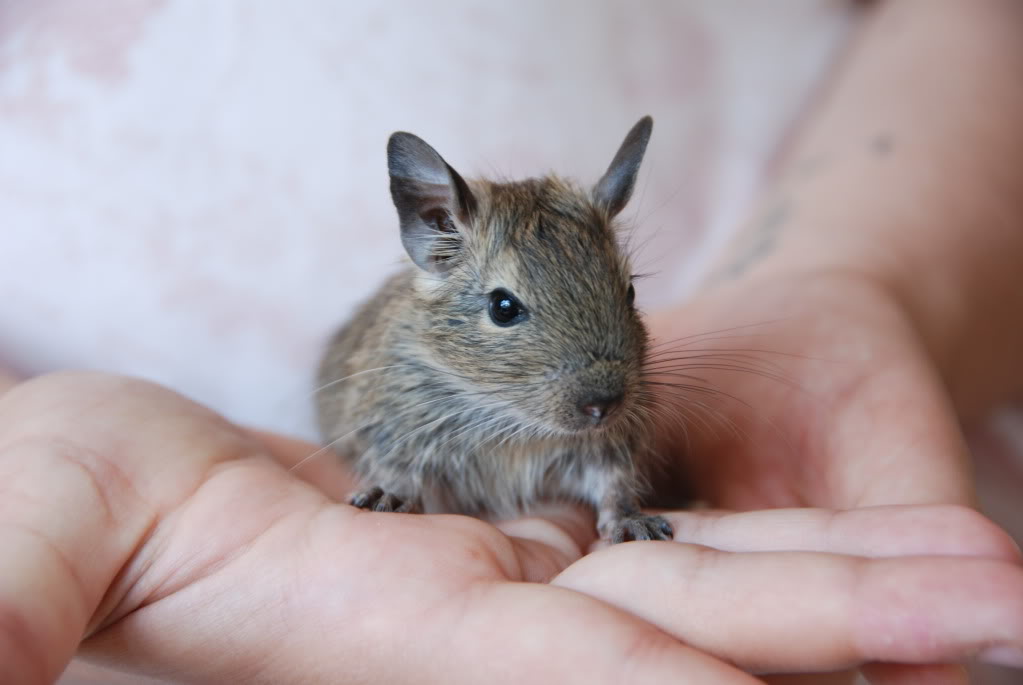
(178, 544)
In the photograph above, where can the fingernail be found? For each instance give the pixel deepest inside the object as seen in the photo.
(1003, 656)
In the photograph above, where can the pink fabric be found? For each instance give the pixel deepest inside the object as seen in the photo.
(196, 192)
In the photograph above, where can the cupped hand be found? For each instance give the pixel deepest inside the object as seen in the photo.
(180, 547)
(817, 390)
(805, 390)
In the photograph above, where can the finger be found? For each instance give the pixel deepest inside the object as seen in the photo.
(88, 465)
(515, 633)
(883, 531)
(549, 539)
(532, 549)
(496, 633)
(546, 541)
(424, 609)
(56, 566)
(797, 611)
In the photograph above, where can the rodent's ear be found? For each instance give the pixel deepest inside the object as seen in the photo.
(613, 190)
(431, 199)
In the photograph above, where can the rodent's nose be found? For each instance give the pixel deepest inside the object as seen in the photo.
(599, 408)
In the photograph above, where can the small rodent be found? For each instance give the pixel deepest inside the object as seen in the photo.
(504, 367)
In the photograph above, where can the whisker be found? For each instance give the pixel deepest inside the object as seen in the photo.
(695, 388)
(743, 352)
(710, 412)
(740, 369)
(697, 337)
(354, 375)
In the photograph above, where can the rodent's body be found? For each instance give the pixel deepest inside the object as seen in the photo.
(444, 405)
(427, 434)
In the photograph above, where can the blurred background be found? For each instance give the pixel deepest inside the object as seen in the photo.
(196, 192)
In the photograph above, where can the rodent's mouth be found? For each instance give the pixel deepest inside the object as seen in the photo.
(580, 424)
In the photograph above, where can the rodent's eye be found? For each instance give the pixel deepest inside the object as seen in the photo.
(505, 309)
(630, 296)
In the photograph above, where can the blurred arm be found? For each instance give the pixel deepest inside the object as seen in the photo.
(910, 172)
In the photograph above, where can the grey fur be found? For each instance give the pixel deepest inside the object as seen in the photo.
(614, 188)
(439, 408)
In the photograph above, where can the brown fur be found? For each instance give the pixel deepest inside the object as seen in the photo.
(439, 408)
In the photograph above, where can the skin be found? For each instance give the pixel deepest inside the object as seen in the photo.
(881, 563)
(880, 304)
(284, 584)
(887, 255)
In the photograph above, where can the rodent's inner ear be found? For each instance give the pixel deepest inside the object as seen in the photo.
(444, 243)
(431, 199)
(614, 188)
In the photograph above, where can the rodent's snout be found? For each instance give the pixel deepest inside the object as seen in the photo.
(600, 406)
(592, 397)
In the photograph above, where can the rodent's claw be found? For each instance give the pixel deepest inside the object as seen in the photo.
(640, 527)
(376, 499)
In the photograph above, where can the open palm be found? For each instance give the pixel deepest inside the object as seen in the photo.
(832, 401)
(194, 555)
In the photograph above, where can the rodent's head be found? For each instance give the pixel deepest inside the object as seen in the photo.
(525, 295)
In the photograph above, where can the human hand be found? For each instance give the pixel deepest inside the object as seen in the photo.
(831, 402)
(179, 547)
(806, 390)
(870, 297)
(193, 555)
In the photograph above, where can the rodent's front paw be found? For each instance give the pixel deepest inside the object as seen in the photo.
(376, 499)
(639, 527)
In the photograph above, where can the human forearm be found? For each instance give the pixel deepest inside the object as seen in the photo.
(911, 171)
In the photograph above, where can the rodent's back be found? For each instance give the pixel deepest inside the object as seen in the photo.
(345, 377)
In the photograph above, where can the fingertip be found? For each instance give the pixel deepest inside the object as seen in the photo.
(980, 536)
(922, 530)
